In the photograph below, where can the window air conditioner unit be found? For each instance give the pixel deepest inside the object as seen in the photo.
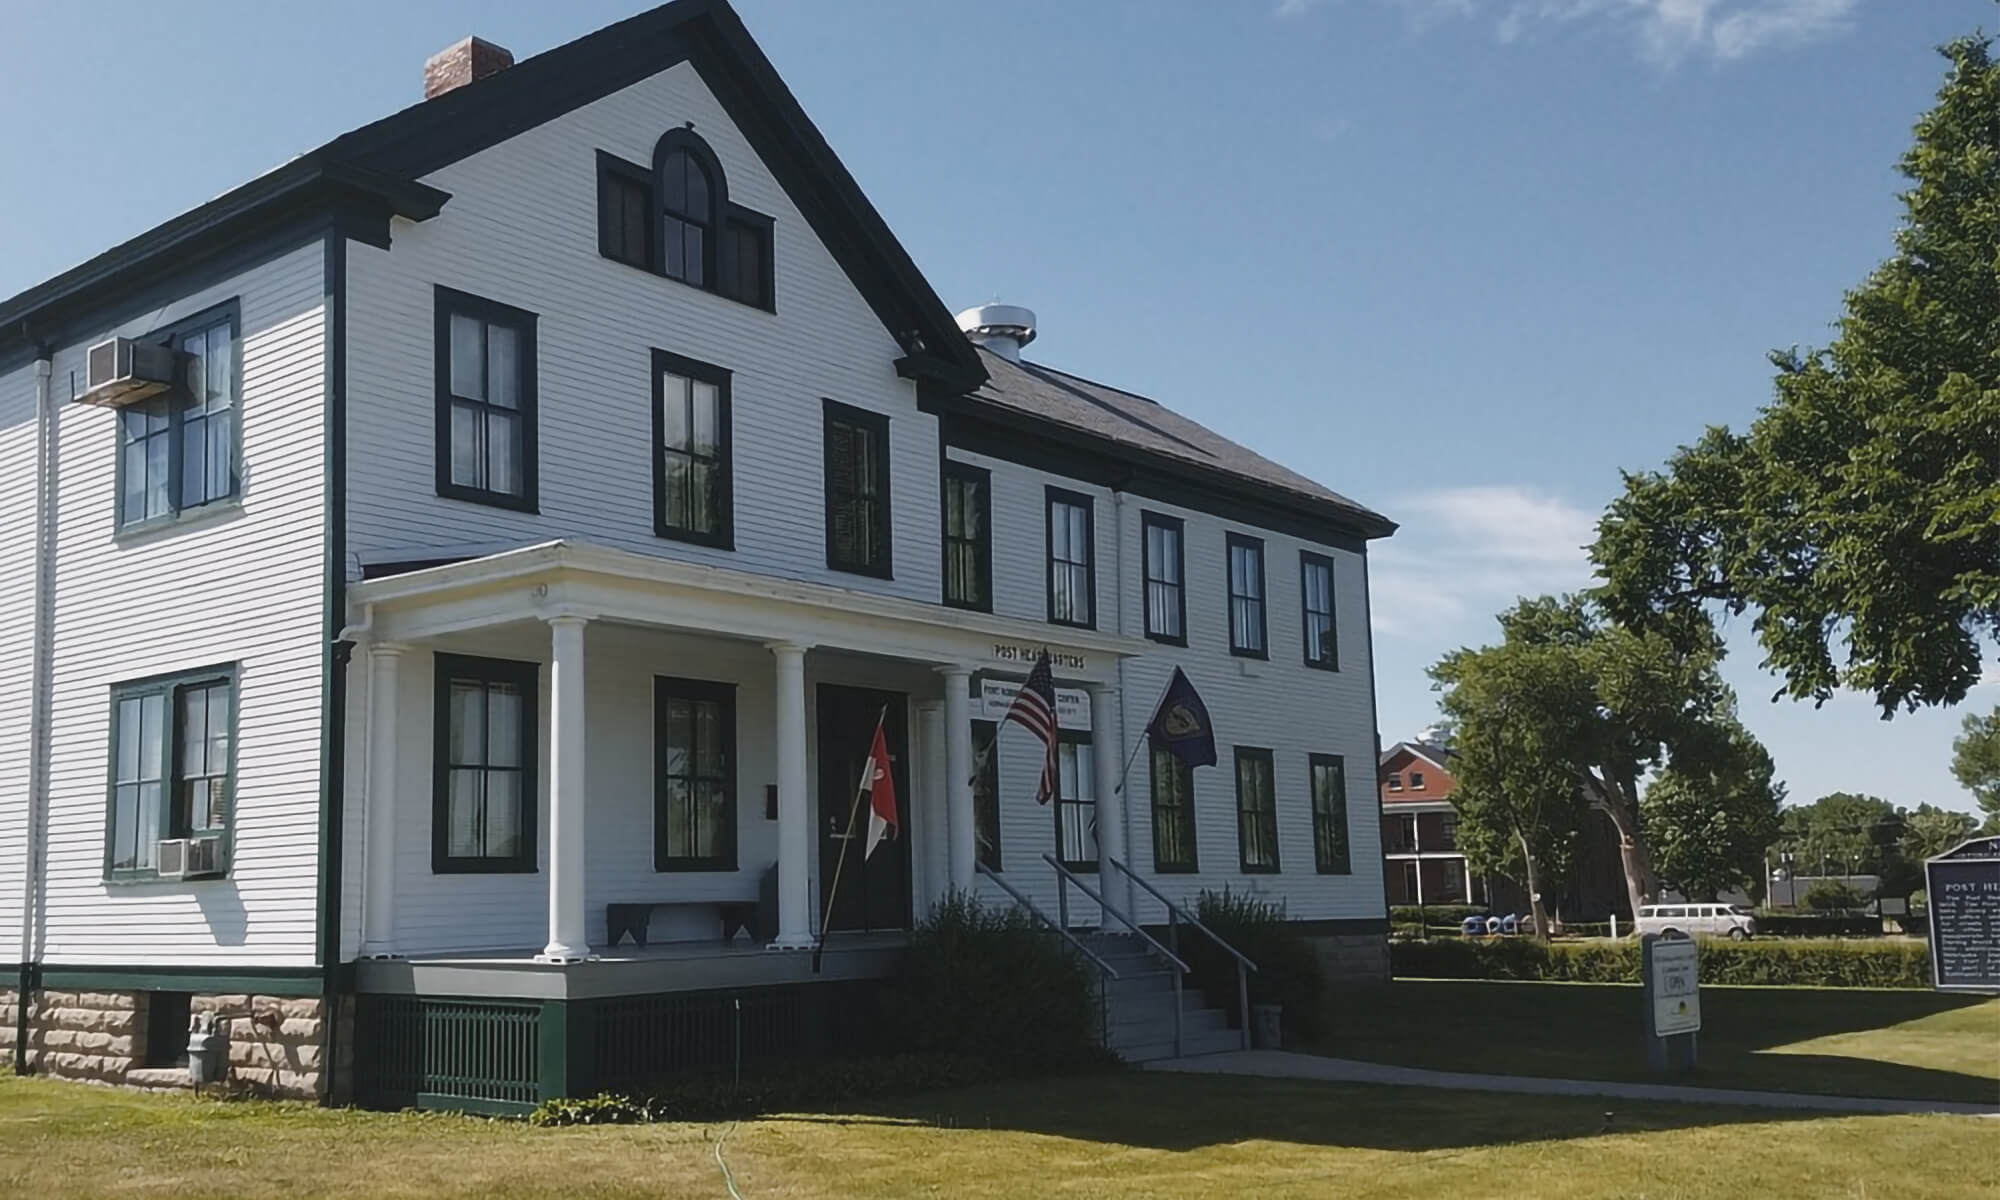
(119, 371)
(190, 858)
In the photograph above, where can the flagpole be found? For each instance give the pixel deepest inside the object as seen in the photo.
(1145, 737)
(853, 811)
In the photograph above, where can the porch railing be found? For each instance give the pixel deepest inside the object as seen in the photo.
(1065, 877)
(1177, 916)
(1105, 970)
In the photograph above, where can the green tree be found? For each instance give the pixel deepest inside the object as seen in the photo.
(1929, 831)
(1857, 511)
(1571, 711)
(1841, 833)
(1975, 760)
(1834, 895)
(1709, 832)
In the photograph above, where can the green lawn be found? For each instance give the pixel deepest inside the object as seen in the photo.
(1841, 1041)
(1127, 1134)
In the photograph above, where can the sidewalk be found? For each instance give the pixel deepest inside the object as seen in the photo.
(1285, 1064)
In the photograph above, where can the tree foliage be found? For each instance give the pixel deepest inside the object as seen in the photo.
(1842, 833)
(1571, 710)
(1929, 831)
(1856, 516)
(1709, 831)
(1975, 760)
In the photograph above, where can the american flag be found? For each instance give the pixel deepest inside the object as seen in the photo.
(1034, 709)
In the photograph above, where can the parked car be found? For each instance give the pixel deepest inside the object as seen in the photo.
(1719, 920)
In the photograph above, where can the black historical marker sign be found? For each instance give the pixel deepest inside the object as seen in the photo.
(1964, 890)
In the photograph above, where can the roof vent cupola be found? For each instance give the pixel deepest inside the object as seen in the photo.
(1001, 328)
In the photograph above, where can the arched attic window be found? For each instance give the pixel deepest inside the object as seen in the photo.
(691, 192)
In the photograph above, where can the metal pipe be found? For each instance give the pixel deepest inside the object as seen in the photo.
(1175, 910)
(1063, 873)
(39, 687)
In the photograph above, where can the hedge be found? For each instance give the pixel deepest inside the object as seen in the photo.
(1885, 962)
(1824, 925)
(1435, 914)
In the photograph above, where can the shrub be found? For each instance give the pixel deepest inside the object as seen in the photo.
(1920, 901)
(1435, 914)
(1882, 962)
(1833, 895)
(790, 1088)
(1817, 925)
(1288, 971)
(990, 983)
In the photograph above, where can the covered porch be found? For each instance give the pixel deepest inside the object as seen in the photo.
(689, 749)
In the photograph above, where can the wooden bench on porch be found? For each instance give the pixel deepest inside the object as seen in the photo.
(758, 917)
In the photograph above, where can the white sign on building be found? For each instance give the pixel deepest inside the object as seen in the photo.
(1676, 987)
(996, 696)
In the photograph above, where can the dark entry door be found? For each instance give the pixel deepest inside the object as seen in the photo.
(871, 893)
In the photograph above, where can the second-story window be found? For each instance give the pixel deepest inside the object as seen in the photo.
(1072, 577)
(691, 483)
(1165, 567)
(857, 490)
(177, 451)
(485, 401)
(1416, 781)
(968, 537)
(1316, 586)
(1246, 597)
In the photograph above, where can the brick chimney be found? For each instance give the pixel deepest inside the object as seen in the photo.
(455, 66)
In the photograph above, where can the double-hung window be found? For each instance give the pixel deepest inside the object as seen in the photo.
(968, 537)
(1256, 812)
(1072, 569)
(1329, 801)
(172, 766)
(986, 796)
(1246, 597)
(857, 490)
(1173, 814)
(483, 805)
(1076, 802)
(694, 818)
(691, 478)
(1165, 569)
(485, 401)
(1316, 588)
(177, 450)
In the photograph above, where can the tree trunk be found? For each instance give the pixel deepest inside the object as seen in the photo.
(1642, 886)
(1535, 904)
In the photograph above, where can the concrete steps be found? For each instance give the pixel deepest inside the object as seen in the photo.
(1140, 1005)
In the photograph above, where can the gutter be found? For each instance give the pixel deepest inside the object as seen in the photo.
(39, 687)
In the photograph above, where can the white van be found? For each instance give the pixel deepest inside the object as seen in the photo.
(1716, 920)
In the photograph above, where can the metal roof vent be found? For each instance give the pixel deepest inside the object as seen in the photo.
(1001, 328)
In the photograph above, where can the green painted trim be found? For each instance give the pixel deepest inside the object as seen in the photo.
(169, 687)
(566, 1049)
(439, 1102)
(335, 977)
(264, 981)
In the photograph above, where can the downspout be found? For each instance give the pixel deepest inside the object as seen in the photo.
(333, 679)
(39, 688)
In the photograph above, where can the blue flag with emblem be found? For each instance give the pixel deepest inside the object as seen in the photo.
(1180, 726)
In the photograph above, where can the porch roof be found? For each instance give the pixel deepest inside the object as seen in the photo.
(580, 579)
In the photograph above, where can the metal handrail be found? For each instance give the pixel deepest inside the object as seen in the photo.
(1107, 906)
(1102, 966)
(1175, 915)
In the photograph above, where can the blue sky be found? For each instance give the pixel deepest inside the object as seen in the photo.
(1460, 259)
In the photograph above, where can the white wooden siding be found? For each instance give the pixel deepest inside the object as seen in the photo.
(242, 584)
(1280, 704)
(17, 570)
(521, 228)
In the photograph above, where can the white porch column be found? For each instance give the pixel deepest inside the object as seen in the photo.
(795, 930)
(1108, 754)
(958, 775)
(568, 940)
(932, 827)
(378, 914)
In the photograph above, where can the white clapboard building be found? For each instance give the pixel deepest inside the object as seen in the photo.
(451, 581)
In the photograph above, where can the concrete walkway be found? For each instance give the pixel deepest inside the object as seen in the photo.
(1284, 1064)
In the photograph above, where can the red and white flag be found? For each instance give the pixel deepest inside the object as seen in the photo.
(881, 788)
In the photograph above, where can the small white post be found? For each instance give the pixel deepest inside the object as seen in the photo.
(1614, 924)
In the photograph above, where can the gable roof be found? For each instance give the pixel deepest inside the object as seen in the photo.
(1434, 755)
(392, 154)
(1137, 423)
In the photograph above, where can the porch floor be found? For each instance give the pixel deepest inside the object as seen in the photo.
(678, 966)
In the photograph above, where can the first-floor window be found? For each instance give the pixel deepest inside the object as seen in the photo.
(1173, 813)
(986, 796)
(1329, 800)
(1076, 803)
(172, 765)
(483, 811)
(1256, 811)
(694, 819)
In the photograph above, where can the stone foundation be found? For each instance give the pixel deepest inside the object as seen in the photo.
(274, 1041)
(1352, 959)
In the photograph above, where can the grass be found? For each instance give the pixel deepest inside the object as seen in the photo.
(1126, 1134)
(1839, 1041)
